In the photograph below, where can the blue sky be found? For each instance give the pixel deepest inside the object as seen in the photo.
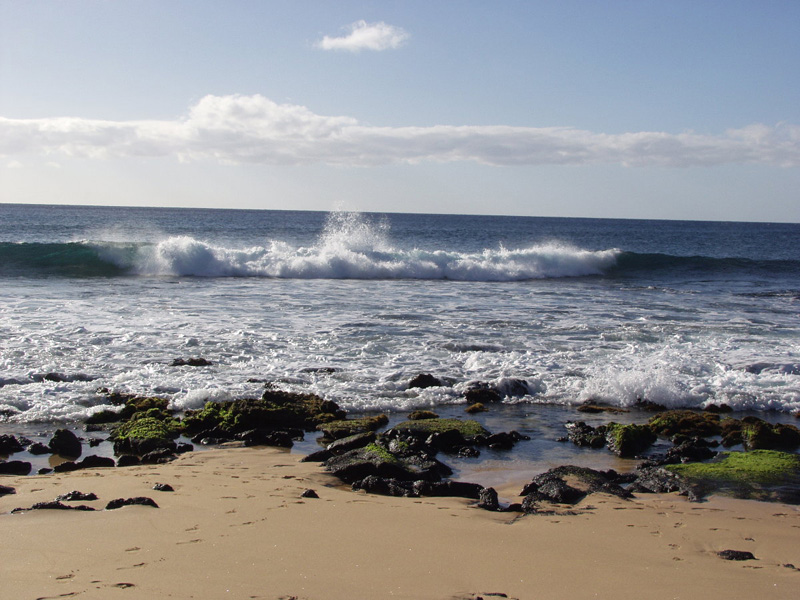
(679, 110)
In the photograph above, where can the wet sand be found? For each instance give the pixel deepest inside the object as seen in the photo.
(236, 526)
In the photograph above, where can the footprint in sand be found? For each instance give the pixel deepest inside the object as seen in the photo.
(133, 549)
(194, 541)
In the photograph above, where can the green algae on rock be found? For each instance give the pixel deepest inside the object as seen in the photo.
(757, 474)
(468, 429)
(342, 428)
(144, 434)
(685, 422)
(274, 410)
(627, 441)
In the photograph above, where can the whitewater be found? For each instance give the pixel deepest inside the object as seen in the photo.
(352, 306)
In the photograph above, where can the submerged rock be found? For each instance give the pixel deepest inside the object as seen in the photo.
(424, 380)
(191, 362)
(585, 436)
(10, 444)
(65, 443)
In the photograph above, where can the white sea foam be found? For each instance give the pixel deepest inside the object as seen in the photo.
(339, 257)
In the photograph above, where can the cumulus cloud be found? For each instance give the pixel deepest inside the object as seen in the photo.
(254, 129)
(366, 36)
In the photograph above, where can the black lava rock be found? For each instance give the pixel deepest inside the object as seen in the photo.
(736, 555)
(15, 467)
(76, 496)
(163, 487)
(138, 500)
(424, 380)
(65, 443)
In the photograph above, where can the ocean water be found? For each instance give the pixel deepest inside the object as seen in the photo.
(352, 306)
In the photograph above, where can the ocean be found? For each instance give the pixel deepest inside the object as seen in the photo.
(351, 306)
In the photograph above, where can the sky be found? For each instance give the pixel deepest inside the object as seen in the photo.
(623, 109)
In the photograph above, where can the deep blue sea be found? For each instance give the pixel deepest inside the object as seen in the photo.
(680, 313)
(351, 306)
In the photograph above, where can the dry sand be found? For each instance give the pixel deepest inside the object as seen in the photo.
(236, 527)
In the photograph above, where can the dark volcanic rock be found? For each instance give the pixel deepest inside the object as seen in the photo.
(10, 444)
(6, 490)
(424, 380)
(65, 443)
(482, 396)
(758, 434)
(627, 441)
(15, 467)
(357, 464)
(418, 415)
(191, 362)
(736, 555)
(163, 487)
(352, 442)
(487, 499)
(55, 506)
(38, 449)
(159, 457)
(343, 428)
(318, 456)
(583, 435)
(309, 493)
(553, 489)
(553, 483)
(128, 460)
(685, 422)
(263, 437)
(138, 500)
(386, 486)
(89, 462)
(412, 489)
(93, 461)
(657, 480)
(76, 496)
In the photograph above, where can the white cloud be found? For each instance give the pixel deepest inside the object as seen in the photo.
(366, 36)
(14, 164)
(254, 129)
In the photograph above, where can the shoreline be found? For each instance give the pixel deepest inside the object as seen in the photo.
(236, 526)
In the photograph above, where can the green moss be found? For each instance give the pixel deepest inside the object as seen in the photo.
(629, 440)
(381, 453)
(146, 428)
(685, 422)
(138, 404)
(756, 466)
(468, 428)
(758, 474)
(347, 427)
(275, 409)
(419, 415)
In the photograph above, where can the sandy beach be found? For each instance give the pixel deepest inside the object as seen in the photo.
(236, 526)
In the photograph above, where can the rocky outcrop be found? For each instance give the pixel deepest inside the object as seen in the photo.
(65, 443)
